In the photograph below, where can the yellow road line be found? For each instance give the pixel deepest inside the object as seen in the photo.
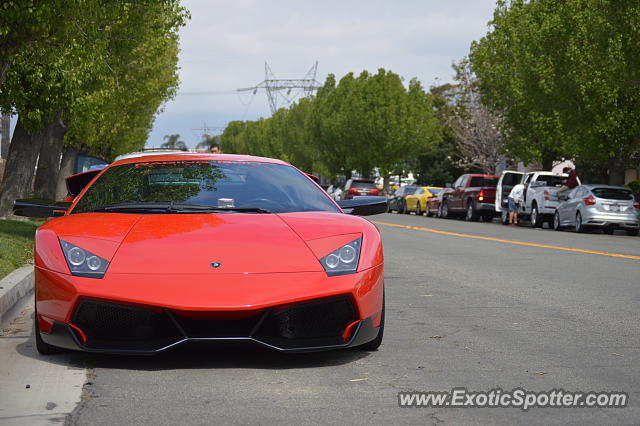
(520, 243)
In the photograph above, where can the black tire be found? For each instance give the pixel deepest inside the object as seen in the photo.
(608, 231)
(405, 209)
(43, 347)
(418, 209)
(487, 217)
(536, 217)
(504, 217)
(633, 232)
(556, 221)
(444, 212)
(472, 214)
(579, 226)
(374, 344)
(427, 211)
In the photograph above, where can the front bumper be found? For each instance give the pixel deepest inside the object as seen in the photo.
(170, 310)
(322, 325)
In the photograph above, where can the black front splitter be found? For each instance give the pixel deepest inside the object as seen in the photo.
(62, 335)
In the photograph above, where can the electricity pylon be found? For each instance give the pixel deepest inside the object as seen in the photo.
(283, 92)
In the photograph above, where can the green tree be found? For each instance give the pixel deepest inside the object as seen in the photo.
(173, 142)
(99, 82)
(565, 78)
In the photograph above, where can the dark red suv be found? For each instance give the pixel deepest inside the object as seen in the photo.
(356, 187)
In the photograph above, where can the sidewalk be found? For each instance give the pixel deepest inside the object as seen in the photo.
(35, 389)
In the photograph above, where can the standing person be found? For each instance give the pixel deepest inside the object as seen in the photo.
(514, 199)
(215, 148)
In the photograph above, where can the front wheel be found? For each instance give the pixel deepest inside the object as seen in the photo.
(43, 347)
(445, 210)
(374, 344)
(418, 209)
(556, 221)
(579, 225)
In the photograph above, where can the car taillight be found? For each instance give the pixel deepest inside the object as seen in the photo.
(546, 195)
(375, 191)
(481, 196)
(353, 191)
(637, 205)
(589, 201)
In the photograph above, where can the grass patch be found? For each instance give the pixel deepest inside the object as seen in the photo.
(16, 244)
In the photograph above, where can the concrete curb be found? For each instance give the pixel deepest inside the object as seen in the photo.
(14, 288)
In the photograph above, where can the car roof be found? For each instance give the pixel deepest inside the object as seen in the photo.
(181, 156)
(480, 175)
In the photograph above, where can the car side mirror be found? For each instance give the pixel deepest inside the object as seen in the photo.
(37, 207)
(76, 183)
(364, 206)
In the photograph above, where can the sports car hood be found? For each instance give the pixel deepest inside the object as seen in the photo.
(212, 243)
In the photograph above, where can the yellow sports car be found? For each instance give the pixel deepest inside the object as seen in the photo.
(417, 202)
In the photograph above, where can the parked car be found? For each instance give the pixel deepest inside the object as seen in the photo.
(358, 187)
(472, 196)
(434, 203)
(541, 196)
(417, 202)
(599, 206)
(397, 202)
(130, 274)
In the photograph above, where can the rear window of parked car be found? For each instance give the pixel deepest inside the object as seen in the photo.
(365, 185)
(613, 193)
(478, 181)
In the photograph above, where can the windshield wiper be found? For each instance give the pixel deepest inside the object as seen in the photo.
(133, 207)
(171, 207)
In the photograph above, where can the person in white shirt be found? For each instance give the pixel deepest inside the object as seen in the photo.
(515, 198)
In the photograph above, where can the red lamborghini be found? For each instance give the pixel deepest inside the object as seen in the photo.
(161, 250)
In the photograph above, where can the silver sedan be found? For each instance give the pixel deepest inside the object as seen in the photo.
(599, 206)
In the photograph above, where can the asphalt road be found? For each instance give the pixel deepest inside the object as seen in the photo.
(535, 310)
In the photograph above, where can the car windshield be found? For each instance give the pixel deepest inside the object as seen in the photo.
(481, 181)
(363, 185)
(435, 191)
(410, 190)
(613, 193)
(229, 185)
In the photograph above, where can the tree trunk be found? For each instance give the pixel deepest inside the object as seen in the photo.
(548, 157)
(66, 170)
(49, 159)
(5, 126)
(18, 172)
(616, 171)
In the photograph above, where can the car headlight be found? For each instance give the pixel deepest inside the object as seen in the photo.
(83, 263)
(344, 260)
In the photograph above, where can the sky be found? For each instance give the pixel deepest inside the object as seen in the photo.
(226, 43)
